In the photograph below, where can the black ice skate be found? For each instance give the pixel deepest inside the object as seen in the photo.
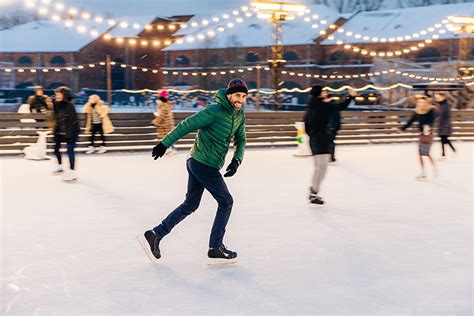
(150, 244)
(221, 255)
(314, 199)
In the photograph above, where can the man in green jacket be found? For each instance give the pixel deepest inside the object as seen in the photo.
(217, 125)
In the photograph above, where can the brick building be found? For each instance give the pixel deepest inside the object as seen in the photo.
(53, 46)
(311, 49)
(308, 49)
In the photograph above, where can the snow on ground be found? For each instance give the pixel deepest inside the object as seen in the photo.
(385, 244)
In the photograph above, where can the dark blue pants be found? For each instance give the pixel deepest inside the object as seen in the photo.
(71, 144)
(202, 177)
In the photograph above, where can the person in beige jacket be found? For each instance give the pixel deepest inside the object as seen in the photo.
(164, 120)
(97, 121)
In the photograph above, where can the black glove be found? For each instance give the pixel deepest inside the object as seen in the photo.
(158, 151)
(232, 168)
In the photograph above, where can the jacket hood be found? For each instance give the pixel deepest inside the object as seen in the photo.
(221, 98)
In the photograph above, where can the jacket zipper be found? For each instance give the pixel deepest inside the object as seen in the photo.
(231, 129)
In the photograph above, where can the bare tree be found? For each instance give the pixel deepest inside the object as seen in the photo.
(372, 5)
(15, 18)
(420, 3)
(344, 6)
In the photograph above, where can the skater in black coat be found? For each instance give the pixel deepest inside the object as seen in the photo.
(318, 127)
(335, 126)
(444, 126)
(66, 130)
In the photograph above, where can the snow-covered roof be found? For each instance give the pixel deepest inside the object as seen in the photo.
(253, 32)
(48, 36)
(399, 22)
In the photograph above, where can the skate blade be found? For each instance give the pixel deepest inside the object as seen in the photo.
(70, 181)
(311, 205)
(144, 244)
(220, 262)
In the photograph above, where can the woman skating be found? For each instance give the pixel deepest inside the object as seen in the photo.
(425, 115)
(66, 130)
(444, 126)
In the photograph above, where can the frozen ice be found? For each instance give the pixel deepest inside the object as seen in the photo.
(384, 244)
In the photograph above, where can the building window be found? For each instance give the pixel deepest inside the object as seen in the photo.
(58, 60)
(252, 85)
(214, 60)
(182, 60)
(471, 56)
(252, 57)
(428, 53)
(118, 75)
(290, 56)
(215, 85)
(25, 60)
(339, 56)
(181, 84)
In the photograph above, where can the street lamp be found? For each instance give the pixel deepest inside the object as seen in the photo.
(276, 13)
(463, 26)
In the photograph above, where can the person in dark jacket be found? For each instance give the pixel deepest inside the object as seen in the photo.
(66, 130)
(317, 125)
(39, 103)
(444, 125)
(335, 126)
(218, 124)
(425, 115)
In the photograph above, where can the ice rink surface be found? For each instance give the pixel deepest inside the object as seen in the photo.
(384, 244)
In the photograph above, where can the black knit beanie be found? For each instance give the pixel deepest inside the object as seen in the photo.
(316, 90)
(237, 85)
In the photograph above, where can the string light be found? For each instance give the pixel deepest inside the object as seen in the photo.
(399, 38)
(155, 43)
(284, 90)
(248, 69)
(398, 52)
(72, 11)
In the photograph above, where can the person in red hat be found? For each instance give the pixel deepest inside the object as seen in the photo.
(164, 120)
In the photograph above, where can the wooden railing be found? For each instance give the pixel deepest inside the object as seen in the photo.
(134, 131)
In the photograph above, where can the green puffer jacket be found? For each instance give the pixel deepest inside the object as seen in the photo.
(218, 124)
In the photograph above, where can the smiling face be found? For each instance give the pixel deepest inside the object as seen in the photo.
(237, 100)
